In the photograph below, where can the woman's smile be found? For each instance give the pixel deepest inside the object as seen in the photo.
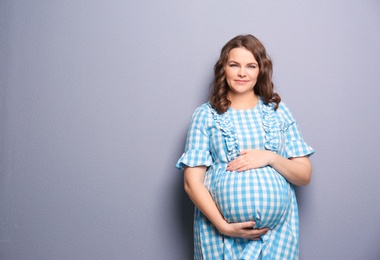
(241, 81)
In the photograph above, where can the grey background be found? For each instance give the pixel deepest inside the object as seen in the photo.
(95, 101)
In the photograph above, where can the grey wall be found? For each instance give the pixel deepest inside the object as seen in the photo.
(95, 101)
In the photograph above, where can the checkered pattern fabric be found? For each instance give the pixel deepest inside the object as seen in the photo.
(262, 195)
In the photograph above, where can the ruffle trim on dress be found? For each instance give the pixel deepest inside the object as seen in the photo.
(271, 127)
(228, 131)
(193, 158)
(298, 148)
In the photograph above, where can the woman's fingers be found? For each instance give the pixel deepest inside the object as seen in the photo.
(246, 230)
(257, 233)
(248, 224)
(250, 159)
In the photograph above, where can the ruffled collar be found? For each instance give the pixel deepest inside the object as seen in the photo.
(270, 126)
(227, 127)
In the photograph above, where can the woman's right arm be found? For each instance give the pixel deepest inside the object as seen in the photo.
(201, 197)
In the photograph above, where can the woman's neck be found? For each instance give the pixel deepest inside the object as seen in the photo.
(241, 102)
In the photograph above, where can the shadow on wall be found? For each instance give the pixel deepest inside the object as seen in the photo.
(184, 206)
(185, 215)
(303, 199)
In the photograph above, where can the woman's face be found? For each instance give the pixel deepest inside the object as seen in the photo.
(241, 71)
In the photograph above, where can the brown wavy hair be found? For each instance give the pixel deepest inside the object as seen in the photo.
(264, 85)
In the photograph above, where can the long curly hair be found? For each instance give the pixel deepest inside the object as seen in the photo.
(264, 85)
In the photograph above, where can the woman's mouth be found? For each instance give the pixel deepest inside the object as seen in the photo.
(241, 81)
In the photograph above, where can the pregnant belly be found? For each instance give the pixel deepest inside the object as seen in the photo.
(262, 195)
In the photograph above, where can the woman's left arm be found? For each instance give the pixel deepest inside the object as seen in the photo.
(296, 170)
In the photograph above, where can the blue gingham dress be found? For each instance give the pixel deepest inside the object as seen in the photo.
(262, 194)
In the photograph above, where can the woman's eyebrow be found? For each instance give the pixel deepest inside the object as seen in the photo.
(250, 63)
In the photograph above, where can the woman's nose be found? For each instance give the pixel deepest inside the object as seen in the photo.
(241, 72)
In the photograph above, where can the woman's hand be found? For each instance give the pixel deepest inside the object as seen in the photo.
(296, 170)
(251, 159)
(244, 230)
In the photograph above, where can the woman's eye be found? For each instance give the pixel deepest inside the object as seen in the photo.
(233, 65)
(251, 66)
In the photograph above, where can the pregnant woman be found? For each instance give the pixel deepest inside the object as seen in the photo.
(244, 154)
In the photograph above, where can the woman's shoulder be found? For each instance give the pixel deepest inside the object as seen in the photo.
(203, 108)
(202, 111)
(284, 111)
(282, 106)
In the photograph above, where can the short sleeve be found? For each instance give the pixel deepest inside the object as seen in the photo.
(295, 146)
(197, 150)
